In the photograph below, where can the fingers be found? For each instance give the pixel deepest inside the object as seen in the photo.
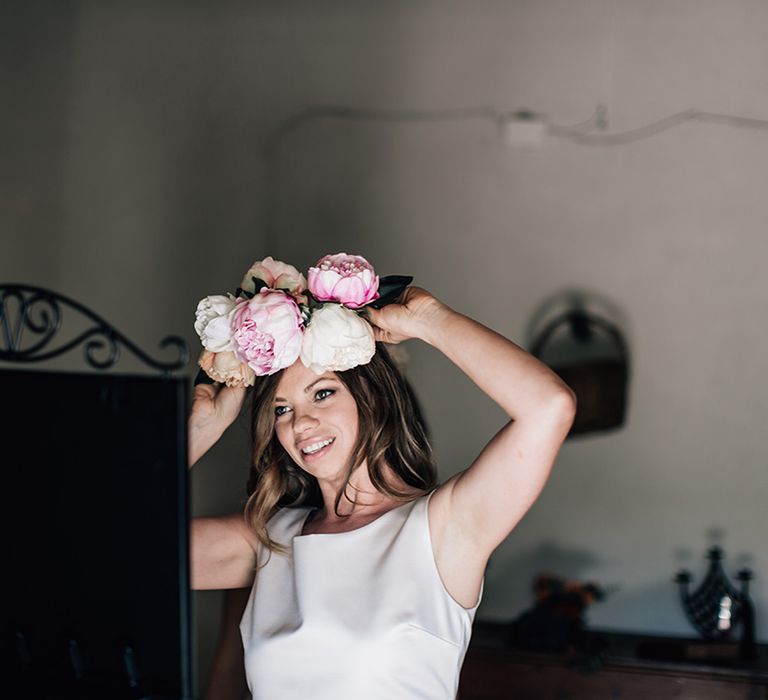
(382, 336)
(205, 391)
(219, 394)
(378, 335)
(385, 322)
(231, 395)
(371, 314)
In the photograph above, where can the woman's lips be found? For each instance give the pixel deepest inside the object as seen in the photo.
(311, 457)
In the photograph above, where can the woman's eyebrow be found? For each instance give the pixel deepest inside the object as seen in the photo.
(308, 388)
(325, 377)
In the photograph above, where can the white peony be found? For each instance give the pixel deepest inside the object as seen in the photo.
(336, 339)
(213, 322)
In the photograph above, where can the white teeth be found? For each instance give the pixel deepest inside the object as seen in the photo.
(316, 447)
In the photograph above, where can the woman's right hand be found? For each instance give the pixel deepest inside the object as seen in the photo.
(214, 408)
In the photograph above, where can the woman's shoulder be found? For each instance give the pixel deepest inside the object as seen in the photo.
(286, 520)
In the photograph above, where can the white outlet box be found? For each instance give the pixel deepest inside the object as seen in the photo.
(523, 130)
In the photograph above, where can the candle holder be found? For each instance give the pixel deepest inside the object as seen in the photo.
(717, 608)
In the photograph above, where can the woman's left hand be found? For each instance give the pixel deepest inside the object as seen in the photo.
(412, 316)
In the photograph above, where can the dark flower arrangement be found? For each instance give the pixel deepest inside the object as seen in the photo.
(555, 623)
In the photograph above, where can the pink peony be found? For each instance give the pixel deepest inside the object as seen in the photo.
(267, 331)
(348, 279)
(276, 275)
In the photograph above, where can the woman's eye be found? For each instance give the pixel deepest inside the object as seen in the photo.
(324, 394)
(281, 411)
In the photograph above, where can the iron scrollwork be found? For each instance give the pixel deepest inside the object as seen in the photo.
(31, 317)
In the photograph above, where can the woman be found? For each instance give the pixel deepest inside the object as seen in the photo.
(372, 594)
(226, 679)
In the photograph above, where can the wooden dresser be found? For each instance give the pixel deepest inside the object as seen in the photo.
(494, 671)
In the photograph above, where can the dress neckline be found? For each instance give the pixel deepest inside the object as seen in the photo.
(307, 517)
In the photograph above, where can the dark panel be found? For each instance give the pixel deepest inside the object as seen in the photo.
(94, 506)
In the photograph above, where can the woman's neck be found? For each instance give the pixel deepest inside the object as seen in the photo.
(361, 501)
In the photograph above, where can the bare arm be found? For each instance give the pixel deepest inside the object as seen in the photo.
(214, 409)
(223, 549)
(475, 510)
(223, 553)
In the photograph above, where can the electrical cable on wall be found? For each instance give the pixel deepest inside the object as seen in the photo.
(523, 128)
(404, 116)
(579, 133)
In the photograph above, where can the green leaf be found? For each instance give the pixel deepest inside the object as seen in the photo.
(313, 303)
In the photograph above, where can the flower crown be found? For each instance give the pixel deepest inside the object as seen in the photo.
(276, 317)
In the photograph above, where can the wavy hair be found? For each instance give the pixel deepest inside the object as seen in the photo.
(391, 432)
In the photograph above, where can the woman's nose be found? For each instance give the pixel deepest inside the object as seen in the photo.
(303, 421)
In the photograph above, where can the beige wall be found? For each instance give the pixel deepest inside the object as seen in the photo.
(135, 183)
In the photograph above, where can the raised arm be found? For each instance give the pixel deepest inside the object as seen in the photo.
(214, 408)
(475, 510)
(223, 549)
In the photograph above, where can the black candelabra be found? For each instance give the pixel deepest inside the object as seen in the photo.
(716, 608)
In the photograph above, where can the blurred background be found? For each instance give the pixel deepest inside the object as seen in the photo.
(150, 152)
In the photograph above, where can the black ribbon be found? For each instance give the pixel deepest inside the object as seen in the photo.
(390, 289)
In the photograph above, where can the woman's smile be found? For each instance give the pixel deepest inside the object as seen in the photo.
(316, 420)
(317, 449)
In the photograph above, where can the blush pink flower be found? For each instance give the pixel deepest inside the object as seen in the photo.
(267, 331)
(225, 367)
(276, 275)
(348, 279)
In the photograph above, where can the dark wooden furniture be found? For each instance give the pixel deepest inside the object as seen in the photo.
(495, 671)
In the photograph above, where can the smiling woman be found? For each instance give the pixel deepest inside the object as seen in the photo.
(365, 576)
(311, 434)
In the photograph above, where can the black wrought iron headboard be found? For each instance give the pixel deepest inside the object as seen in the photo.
(30, 321)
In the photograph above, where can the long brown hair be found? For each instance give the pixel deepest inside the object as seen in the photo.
(391, 432)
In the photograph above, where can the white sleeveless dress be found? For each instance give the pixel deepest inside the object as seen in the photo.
(359, 615)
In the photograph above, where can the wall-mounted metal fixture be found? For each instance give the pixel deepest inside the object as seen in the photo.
(591, 356)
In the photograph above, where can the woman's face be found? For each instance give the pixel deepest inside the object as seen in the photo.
(316, 420)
